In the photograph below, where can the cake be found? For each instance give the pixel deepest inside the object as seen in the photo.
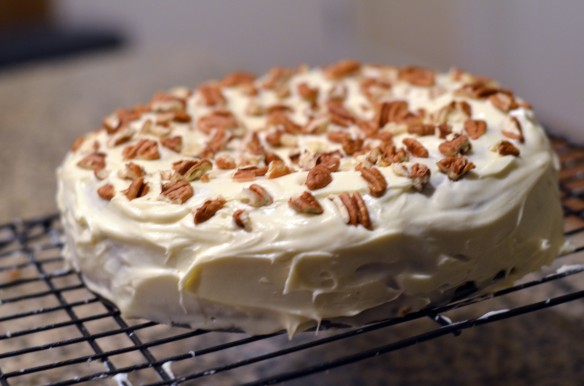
(348, 193)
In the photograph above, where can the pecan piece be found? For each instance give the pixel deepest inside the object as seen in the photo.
(420, 176)
(211, 94)
(77, 143)
(512, 129)
(191, 169)
(352, 145)
(121, 136)
(341, 69)
(362, 210)
(106, 192)
(181, 117)
(318, 177)
(131, 172)
(94, 161)
(146, 149)
(458, 145)
(219, 119)
(415, 148)
(164, 102)
(475, 128)
(238, 79)
(455, 167)
(208, 210)
(249, 173)
(138, 188)
(337, 93)
(356, 210)
(241, 219)
(374, 88)
(455, 111)
(339, 115)
(478, 89)
(254, 145)
(276, 78)
(305, 203)
(503, 101)
(256, 196)
(309, 94)
(330, 160)
(173, 143)
(177, 192)
(376, 181)
(225, 162)
(395, 111)
(277, 168)
(507, 148)
(417, 76)
(421, 129)
(281, 121)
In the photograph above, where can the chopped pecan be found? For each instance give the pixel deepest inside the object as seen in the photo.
(237, 79)
(475, 128)
(415, 148)
(270, 156)
(337, 93)
(241, 219)
(455, 167)
(444, 129)
(178, 191)
(363, 211)
(417, 76)
(374, 88)
(256, 196)
(93, 161)
(277, 168)
(277, 77)
(376, 181)
(219, 140)
(309, 94)
(181, 117)
(106, 192)
(173, 143)
(254, 109)
(305, 203)
(274, 138)
(211, 94)
(219, 119)
(164, 102)
(455, 111)
(316, 125)
(77, 143)
(280, 120)
(503, 101)
(121, 136)
(421, 129)
(249, 173)
(356, 210)
(208, 210)
(191, 169)
(254, 145)
(330, 160)
(339, 115)
(395, 111)
(159, 129)
(337, 136)
(507, 148)
(146, 149)
(122, 117)
(318, 177)
(512, 129)
(352, 145)
(458, 145)
(225, 162)
(420, 175)
(138, 188)
(131, 172)
(390, 154)
(342, 69)
(478, 89)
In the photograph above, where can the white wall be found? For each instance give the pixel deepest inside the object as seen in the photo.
(535, 47)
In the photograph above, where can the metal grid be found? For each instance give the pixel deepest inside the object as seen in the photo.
(53, 330)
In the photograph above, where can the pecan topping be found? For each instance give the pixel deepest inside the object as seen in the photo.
(337, 93)
(146, 149)
(77, 143)
(249, 173)
(93, 161)
(276, 78)
(376, 181)
(106, 192)
(274, 138)
(277, 168)
(458, 145)
(192, 170)
(331, 160)
(138, 188)
(417, 76)
(305, 203)
(208, 210)
(478, 89)
(318, 177)
(507, 148)
(316, 126)
(173, 143)
(254, 144)
(121, 136)
(242, 220)
(422, 129)
(256, 196)
(395, 111)
(211, 94)
(122, 117)
(309, 94)
(475, 128)
(455, 111)
(164, 102)
(219, 119)
(225, 162)
(455, 167)
(181, 117)
(237, 79)
(254, 109)
(356, 209)
(342, 69)
(420, 175)
(444, 129)
(177, 191)
(339, 115)
(131, 172)
(281, 121)
(415, 148)
(270, 156)
(390, 154)
(352, 145)
(219, 140)
(512, 129)
(503, 101)
(374, 88)
(159, 129)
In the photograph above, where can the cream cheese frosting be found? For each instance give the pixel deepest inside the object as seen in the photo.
(229, 244)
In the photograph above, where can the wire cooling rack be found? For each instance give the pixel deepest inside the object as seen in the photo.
(53, 330)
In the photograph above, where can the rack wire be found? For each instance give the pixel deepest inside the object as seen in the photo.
(53, 330)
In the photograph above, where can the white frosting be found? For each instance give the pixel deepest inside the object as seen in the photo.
(294, 270)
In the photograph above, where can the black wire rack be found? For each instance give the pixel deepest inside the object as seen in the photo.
(53, 330)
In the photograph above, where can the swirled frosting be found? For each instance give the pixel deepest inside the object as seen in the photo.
(421, 186)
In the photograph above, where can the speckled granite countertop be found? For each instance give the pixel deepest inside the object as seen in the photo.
(43, 108)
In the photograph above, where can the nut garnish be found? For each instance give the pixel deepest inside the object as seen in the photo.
(475, 128)
(339, 115)
(211, 94)
(277, 168)
(395, 111)
(164, 102)
(318, 177)
(159, 129)
(225, 162)
(507, 148)
(422, 129)
(455, 167)
(330, 160)
(173, 143)
(305, 203)
(138, 188)
(241, 219)
(420, 175)
(93, 161)
(237, 79)
(309, 94)
(281, 121)
(342, 69)
(254, 144)
(512, 129)
(337, 93)
(249, 173)
(277, 77)
(181, 117)
(146, 149)
(219, 119)
(376, 181)
(192, 170)
(77, 143)
(256, 196)
(417, 76)
(178, 191)
(478, 89)
(121, 136)
(415, 148)
(106, 192)
(455, 111)
(131, 172)
(352, 145)
(316, 125)
(208, 210)
(458, 145)
(503, 101)
(356, 209)
(374, 88)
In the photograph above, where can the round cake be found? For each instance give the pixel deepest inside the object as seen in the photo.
(348, 193)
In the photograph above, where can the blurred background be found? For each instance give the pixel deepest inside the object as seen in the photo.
(64, 64)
